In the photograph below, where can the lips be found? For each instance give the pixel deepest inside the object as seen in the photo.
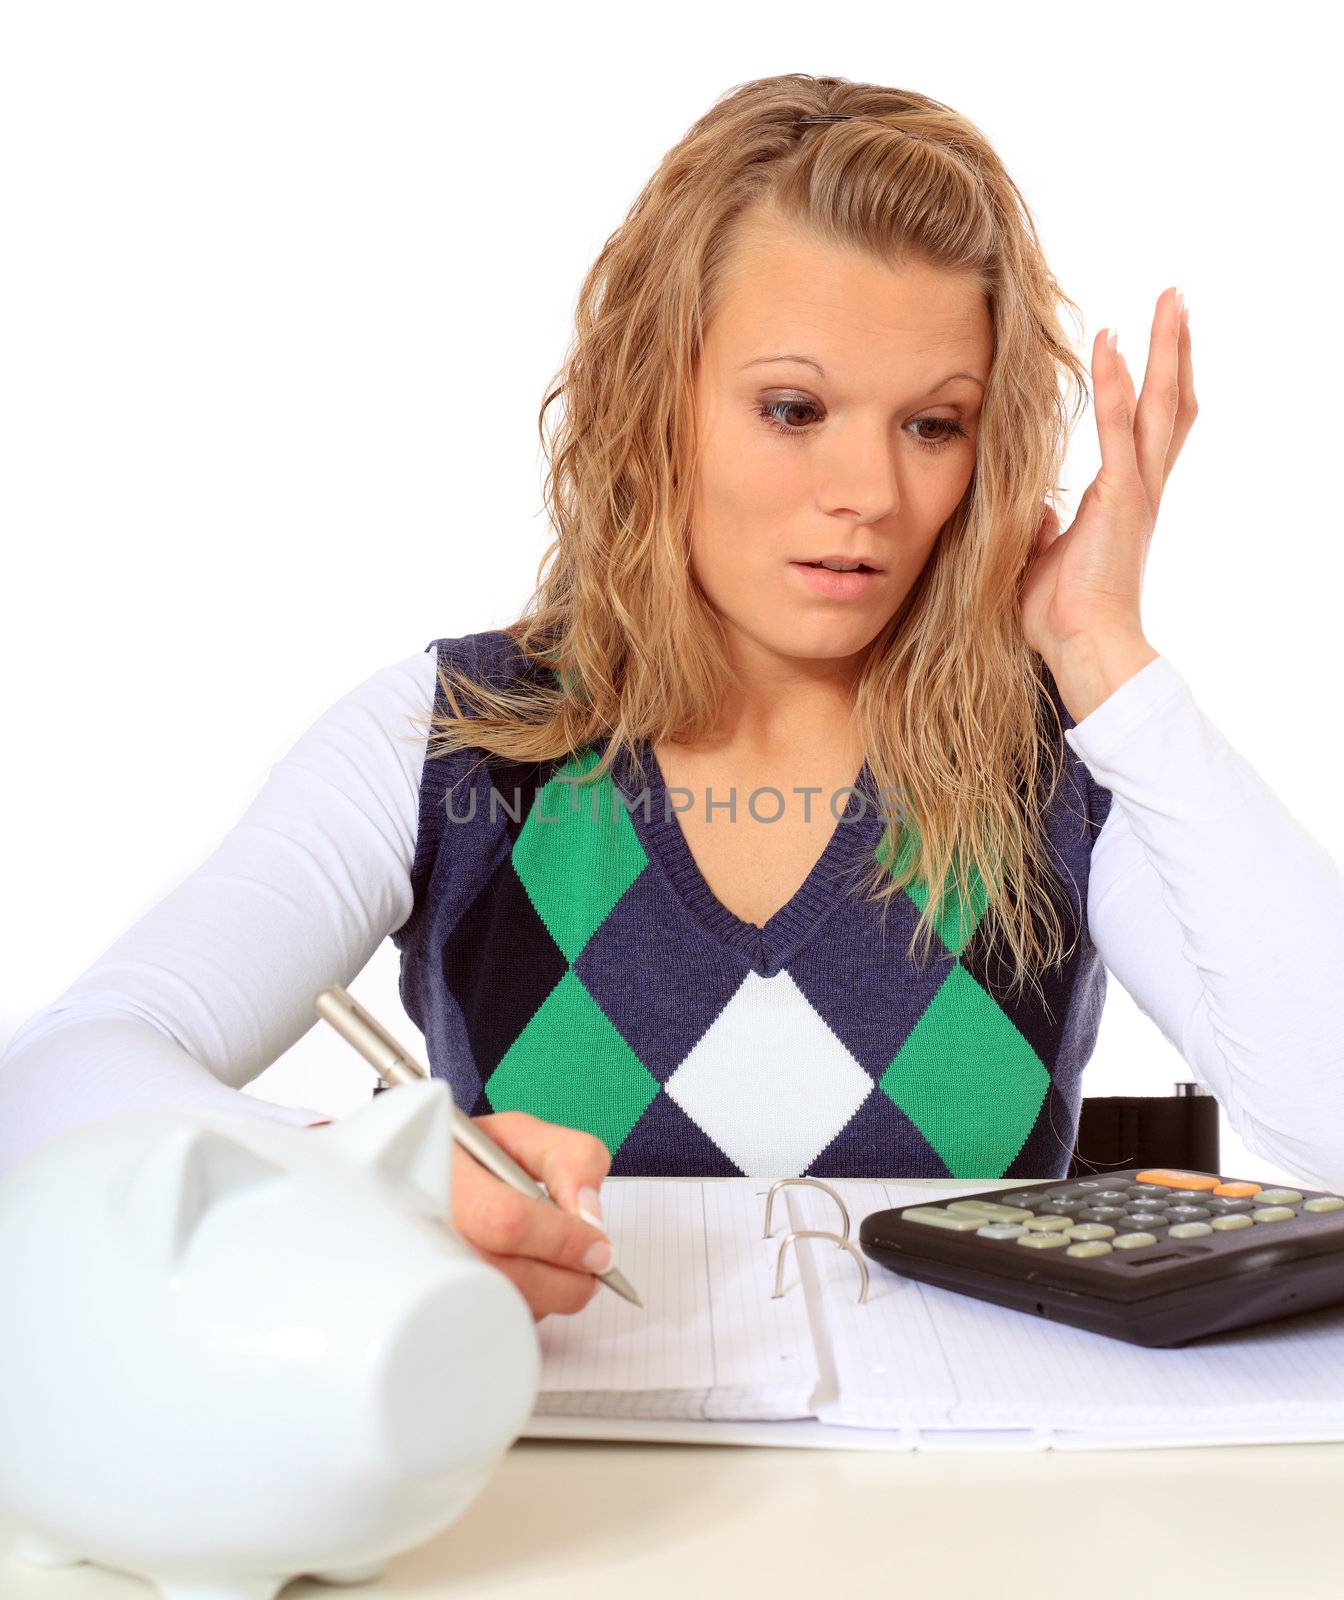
(831, 584)
(862, 566)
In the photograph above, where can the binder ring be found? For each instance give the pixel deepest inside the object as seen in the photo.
(819, 1233)
(816, 1183)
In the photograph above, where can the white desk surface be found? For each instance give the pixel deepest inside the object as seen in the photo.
(596, 1519)
(701, 1522)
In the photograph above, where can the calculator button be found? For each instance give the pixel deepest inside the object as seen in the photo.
(1101, 1214)
(1042, 1241)
(1188, 1213)
(1278, 1197)
(1151, 1213)
(988, 1210)
(1029, 1197)
(1148, 1190)
(1089, 1185)
(1132, 1241)
(1189, 1230)
(1238, 1219)
(1047, 1224)
(1093, 1247)
(1106, 1196)
(1061, 1208)
(1219, 1205)
(1091, 1230)
(937, 1217)
(1326, 1202)
(999, 1230)
(1177, 1180)
(1238, 1190)
(1273, 1214)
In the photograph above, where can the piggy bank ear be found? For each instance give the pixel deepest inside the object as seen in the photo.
(407, 1133)
(185, 1175)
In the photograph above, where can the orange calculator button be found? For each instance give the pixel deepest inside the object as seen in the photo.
(1177, 1180)
(1240, 1190)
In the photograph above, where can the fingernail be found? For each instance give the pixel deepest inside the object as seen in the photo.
(1110, 338)
(598, 1256)
(590, 1206)
(1180, 301)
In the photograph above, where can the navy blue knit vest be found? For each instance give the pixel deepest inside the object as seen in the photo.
(565, 956)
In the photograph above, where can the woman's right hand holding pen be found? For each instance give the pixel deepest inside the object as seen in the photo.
(549, 1251)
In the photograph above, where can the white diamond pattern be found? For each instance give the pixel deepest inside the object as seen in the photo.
(768, 1081)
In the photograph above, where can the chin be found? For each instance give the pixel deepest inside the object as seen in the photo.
(820, 640)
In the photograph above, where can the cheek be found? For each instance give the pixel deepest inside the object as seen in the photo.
(746, 486)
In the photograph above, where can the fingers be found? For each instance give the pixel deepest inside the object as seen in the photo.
(565, 1159)
(1048, 531)
(546, 1288)
(1113, 402)
(1157, 407)
(494, 1217)
(1188, 408)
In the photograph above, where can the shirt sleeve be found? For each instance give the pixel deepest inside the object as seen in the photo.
(217, 980)
(1223, 917)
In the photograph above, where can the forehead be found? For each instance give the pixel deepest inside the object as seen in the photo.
(785, 290)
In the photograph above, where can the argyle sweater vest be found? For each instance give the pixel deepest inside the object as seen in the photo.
(564, 956)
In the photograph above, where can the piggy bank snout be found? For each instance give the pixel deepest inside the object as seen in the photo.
(461, 1373)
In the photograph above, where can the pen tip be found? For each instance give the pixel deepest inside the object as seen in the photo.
(615, 1279)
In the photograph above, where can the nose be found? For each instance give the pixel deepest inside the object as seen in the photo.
(862, 485)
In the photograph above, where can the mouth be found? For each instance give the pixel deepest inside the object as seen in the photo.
(862, 566)
(835, 585)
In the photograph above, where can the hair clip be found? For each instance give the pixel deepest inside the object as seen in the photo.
(845, 116)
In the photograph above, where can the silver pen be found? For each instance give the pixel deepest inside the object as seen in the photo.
(395, 1064)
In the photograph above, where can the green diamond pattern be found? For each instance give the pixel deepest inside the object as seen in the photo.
(576, 855)
(569, 1065)
(935, 1079)
(577, 862)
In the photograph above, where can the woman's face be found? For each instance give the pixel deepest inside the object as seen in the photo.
(861, 452)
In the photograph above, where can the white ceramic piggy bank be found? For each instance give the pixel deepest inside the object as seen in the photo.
(233, 1351)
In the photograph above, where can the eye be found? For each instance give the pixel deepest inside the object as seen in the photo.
(773, 413)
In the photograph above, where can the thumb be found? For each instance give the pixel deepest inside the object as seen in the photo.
(570, 1162)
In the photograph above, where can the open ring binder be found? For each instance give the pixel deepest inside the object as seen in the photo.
(920, 1368)
(845, 1242)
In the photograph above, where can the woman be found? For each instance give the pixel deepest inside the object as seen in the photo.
(940, 797)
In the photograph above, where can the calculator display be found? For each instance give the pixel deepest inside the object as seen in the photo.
(1153, 1255)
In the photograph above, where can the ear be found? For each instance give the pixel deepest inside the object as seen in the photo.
(406, 1132)
(188, 1172)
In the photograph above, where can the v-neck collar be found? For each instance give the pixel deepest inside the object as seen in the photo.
(767, 946)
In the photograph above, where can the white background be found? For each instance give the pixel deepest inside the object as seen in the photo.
(281, 290)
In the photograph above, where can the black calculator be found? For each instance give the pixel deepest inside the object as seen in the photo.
(1151, 1255)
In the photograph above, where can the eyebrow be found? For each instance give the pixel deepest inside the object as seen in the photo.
(811, 361)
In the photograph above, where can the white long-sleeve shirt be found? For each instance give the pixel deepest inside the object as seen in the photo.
(215, 982)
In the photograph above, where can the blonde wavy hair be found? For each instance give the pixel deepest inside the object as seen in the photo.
(950, 701)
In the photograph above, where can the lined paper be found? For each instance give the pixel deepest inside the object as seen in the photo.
(914, 1361)
(710, 1342)
(916, 1355)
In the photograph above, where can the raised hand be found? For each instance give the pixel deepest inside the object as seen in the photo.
(1079, 599)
